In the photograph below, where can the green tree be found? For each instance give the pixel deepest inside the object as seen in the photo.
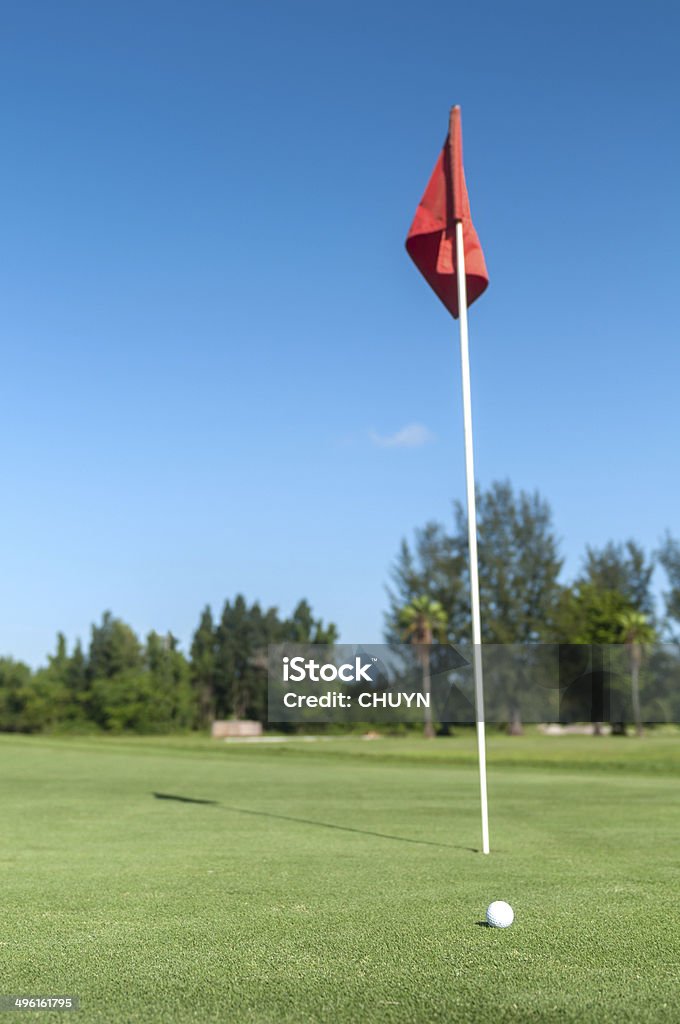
(68, 673)
(623, 568)
(519, 565)
(54, 702)
(669, 557)
(636, 632)
(15, 689)
(421, 621)
(121, 692)
(303, 628)
(241, 638)
(154, 696)
(590, 614)
(114, 648)
(47, 703)
(204, 668)
(171, 679)
(519, 568)
(77, 681)
(435, 567)
(126, 702)
(40, 700)
(234, 647)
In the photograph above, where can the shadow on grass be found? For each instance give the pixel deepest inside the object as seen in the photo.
(183, 799)
(318, 824)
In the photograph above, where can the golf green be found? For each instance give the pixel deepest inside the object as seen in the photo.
(338, 879)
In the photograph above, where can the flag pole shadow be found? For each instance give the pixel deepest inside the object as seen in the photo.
(314, 822)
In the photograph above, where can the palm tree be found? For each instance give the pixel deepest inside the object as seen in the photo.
(421, 621)
(637, 631)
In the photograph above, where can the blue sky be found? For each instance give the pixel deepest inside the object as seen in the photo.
(210, 330)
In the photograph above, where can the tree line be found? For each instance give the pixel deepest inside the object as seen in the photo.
(119, 683)
(523, 597)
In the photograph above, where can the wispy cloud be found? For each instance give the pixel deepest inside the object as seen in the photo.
(413, 435)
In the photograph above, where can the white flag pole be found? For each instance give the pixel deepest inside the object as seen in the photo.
(472, 530)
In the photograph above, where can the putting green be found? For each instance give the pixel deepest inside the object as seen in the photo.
(337, 880)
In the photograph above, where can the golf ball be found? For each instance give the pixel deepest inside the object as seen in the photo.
(500, 914)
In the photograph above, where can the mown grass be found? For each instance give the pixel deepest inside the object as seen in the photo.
(337, 880)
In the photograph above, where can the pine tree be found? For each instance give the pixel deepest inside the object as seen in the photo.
(203, 667)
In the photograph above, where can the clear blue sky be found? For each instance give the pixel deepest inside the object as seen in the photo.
(210, 328)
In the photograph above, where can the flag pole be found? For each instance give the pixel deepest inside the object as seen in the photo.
(472, 531)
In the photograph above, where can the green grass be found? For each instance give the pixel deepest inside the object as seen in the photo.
(337, 881)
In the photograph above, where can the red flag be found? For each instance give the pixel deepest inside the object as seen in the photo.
(431, 242)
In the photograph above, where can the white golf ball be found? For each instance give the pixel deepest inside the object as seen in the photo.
(500, 914)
